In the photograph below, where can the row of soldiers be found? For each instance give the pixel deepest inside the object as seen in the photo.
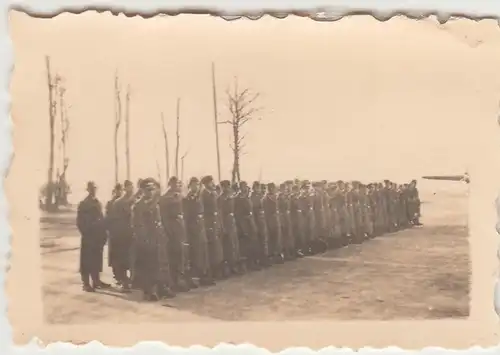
(161, 244)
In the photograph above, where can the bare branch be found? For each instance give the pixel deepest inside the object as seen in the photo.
(241, 106)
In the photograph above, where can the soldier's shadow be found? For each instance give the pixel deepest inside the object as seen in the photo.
(134, 295)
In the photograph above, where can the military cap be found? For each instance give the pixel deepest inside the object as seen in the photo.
(207, 179)
(271, 185)
(282, 185)
(149, 183)
(225, 183)
(91, 185)
(289, 182)
(386, 181)
(243, 184)
(127, 183)
(324, 182)
(255, 184)
(173, 181)
(193, 180)
(118, 187)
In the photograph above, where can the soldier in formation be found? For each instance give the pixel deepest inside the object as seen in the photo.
(170, 243)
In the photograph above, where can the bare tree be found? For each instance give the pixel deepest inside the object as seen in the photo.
(63, 188)
(158, 172)
(178, 136)
(241, 104)
(182, 164)
(167, 153)
(52, 83)
(127, 132)
(118, 121)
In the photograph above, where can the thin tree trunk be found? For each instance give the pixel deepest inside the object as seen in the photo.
(216, 121)
(167, 153)
(182, 169)
(158, 172)
(127, 132)
(118, 117)
(52, 113)
(236, 154)
(178, 139)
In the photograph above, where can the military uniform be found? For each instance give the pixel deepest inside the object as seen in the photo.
(197, 237)
(286, 224)
(297, 221)
(91, 225)
(230, 240)
(173, 221)
(122, 241)
(308, 217)
(320, 232)
(212, 226)
(260, 222)
(270, 204)
(414, 203)
(335, 207)
(153, 259)
(113, 231)
(247, 229)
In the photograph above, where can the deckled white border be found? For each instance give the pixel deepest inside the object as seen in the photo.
(320, 10)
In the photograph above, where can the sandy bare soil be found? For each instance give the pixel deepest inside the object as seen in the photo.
(420, 273)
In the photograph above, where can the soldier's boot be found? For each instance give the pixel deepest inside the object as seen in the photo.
(165, 291)
(242, 266)
(279, 258)
(179, 283)
(217, 272)
(254, 264)
(207, 279)
(226, 270)
(190, 281)
(357, 238)
(299, 253)
(87, 287)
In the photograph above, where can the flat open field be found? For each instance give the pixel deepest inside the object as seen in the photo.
(420, 273)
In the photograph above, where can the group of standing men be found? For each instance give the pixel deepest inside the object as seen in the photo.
(170, 243)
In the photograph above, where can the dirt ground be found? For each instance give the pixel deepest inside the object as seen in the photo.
(419, 273)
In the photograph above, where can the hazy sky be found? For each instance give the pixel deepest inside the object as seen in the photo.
(351, 99)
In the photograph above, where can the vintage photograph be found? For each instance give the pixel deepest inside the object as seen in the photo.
(191, 168)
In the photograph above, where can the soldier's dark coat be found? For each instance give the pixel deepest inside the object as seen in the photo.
(172, 217)
(309, 217)
(336, 218)
(245, 223)
(111, 226)
(319, 215)
(195, 228)
(270, 205)
(212, 226)
(152, 266)
(288, 239)
(229, 233)
(260, 222)
(297, 220)
(121, 234)
(91, 224)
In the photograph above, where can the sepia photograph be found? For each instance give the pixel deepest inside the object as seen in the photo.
(191, 169)
(261, 172)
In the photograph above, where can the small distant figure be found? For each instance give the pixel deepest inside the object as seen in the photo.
(92, 227)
